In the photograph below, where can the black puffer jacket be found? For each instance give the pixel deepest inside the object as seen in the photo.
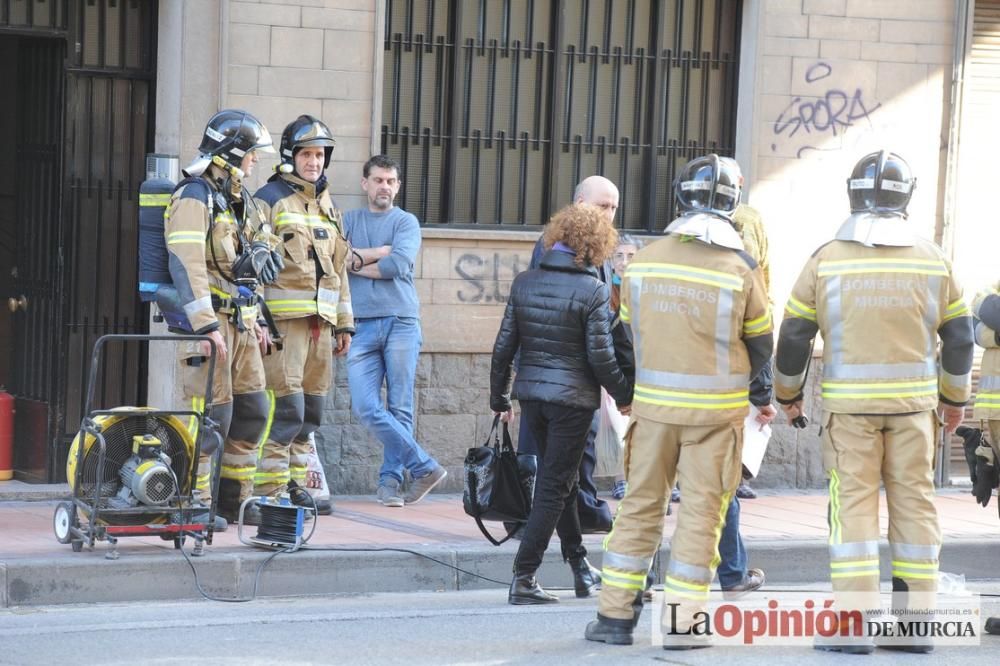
(558, 316)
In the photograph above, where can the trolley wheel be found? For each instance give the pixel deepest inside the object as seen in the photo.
(178, 543)
(63, 519)
(77, 546)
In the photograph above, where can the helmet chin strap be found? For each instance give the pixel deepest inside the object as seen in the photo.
(235, 172)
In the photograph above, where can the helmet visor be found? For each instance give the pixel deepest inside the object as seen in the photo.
(264, 143)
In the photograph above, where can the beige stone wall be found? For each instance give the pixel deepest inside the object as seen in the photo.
(831, 81)
(463, 279)
(837, 79)
(289, 57)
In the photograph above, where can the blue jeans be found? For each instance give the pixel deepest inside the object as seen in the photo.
(733, 556)
(386, 349)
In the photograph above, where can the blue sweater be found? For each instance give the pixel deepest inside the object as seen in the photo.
(393, 294)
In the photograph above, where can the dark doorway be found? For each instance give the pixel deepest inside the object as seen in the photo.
(30, 216)
(72, 148)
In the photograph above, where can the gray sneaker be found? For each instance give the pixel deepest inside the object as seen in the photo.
(420, 487)
(388, 493)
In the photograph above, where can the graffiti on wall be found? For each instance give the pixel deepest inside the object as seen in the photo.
(486, 276)
(827, 114)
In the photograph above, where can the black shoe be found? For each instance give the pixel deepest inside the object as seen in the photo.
(673, 648)
(300, 497)
(993, 625)
(610, 631)
(845, 648)
(912, 649)
(324, 507)
(525, 591)
(586, 579)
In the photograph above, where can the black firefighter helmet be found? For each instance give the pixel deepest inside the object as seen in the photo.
(305, 132)
(231, 133)
(708, 184)
(881, 183)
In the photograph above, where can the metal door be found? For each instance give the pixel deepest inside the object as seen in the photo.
(34, 297)
(84, 105)
(109, 130)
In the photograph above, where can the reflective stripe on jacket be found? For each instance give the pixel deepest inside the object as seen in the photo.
(694, 308)
(309, 226)
(986, 310)
(199, 265)
(881, 310)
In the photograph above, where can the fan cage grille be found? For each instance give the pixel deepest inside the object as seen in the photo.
(118, 441)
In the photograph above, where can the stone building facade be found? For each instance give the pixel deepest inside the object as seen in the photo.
(821, 83)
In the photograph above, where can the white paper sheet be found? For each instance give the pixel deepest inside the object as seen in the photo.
(755, 441)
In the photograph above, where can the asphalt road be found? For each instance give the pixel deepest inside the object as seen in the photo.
(475, 627)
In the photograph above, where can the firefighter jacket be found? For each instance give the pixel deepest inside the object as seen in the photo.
(748, 223)
(309, 226)
(205, 234)
(986, 310)
(881, 310)
(701, 324)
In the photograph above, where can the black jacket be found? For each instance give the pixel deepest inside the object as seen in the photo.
(559, 317)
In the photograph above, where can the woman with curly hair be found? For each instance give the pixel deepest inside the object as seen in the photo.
(558, 317)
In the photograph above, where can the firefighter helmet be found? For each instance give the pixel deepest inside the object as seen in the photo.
(306, 131)
(708, 184)
(231, 133)
(881, 183)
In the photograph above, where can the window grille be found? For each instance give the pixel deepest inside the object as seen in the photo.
(497, 108)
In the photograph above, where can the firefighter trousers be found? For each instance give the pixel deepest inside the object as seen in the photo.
(706, 461)
(859, 452)
(238, 400)
(993, 426)
(298, 379)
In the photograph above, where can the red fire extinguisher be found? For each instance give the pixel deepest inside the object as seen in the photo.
(6, 435)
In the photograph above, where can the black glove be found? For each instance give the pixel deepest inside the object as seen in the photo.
(986, 474)
(971, 439)
(266, 262)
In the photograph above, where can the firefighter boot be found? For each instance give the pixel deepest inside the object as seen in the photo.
(229, 500)
(609, 630)
(920, 642)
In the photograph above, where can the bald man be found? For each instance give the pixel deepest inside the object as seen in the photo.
(595, 515)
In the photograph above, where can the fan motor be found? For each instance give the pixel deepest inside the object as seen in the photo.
(147, 473)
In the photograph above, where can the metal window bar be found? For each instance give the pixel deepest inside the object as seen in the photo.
(497, 108)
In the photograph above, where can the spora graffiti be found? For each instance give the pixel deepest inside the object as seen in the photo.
(830, 113)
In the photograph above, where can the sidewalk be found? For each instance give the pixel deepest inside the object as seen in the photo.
(785, 532)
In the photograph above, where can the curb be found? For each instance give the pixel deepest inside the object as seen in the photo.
(19, 491)
(89, 578)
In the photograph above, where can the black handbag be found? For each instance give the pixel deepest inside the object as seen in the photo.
(499, 483)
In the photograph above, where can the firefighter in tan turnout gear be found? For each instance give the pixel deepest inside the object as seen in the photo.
(699, 313)
(985, 458)
(216, 264)
(310, 300)
(881, 297)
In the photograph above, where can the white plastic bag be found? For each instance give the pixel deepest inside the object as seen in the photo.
(315, 476)
(609, 446)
